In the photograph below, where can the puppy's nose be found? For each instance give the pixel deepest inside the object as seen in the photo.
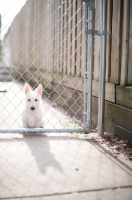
(32, 108)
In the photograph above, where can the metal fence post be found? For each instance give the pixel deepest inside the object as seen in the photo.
(101, 102)
(89, 70)
(90, 64)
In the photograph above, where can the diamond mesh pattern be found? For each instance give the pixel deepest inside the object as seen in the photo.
(45, 44)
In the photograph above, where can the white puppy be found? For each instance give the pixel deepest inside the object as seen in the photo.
(32, 115)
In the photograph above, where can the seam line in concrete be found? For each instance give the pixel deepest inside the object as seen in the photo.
(70, 192)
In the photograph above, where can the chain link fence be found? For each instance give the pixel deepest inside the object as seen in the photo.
(45, 43)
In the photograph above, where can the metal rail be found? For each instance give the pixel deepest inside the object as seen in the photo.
(41, 130)
(89, 4)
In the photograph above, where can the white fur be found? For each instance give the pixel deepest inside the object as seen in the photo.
(32, 115)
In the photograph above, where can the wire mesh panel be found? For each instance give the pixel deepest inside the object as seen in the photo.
(44, 44)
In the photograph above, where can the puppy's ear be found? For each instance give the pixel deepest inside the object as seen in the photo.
(39, 89)
(27, 88)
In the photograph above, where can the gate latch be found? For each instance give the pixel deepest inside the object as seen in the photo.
(97, 32)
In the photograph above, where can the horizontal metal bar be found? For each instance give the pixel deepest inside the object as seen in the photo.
(41, 130)
(87, 72)
(97, 32)
(86, 113)
(87, 20)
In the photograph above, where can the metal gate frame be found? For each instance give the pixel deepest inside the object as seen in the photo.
(87, 114)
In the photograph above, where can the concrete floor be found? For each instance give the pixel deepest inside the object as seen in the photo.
(57, 166)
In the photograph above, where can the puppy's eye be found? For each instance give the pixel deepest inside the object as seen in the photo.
(36, 99)
(28, 99)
